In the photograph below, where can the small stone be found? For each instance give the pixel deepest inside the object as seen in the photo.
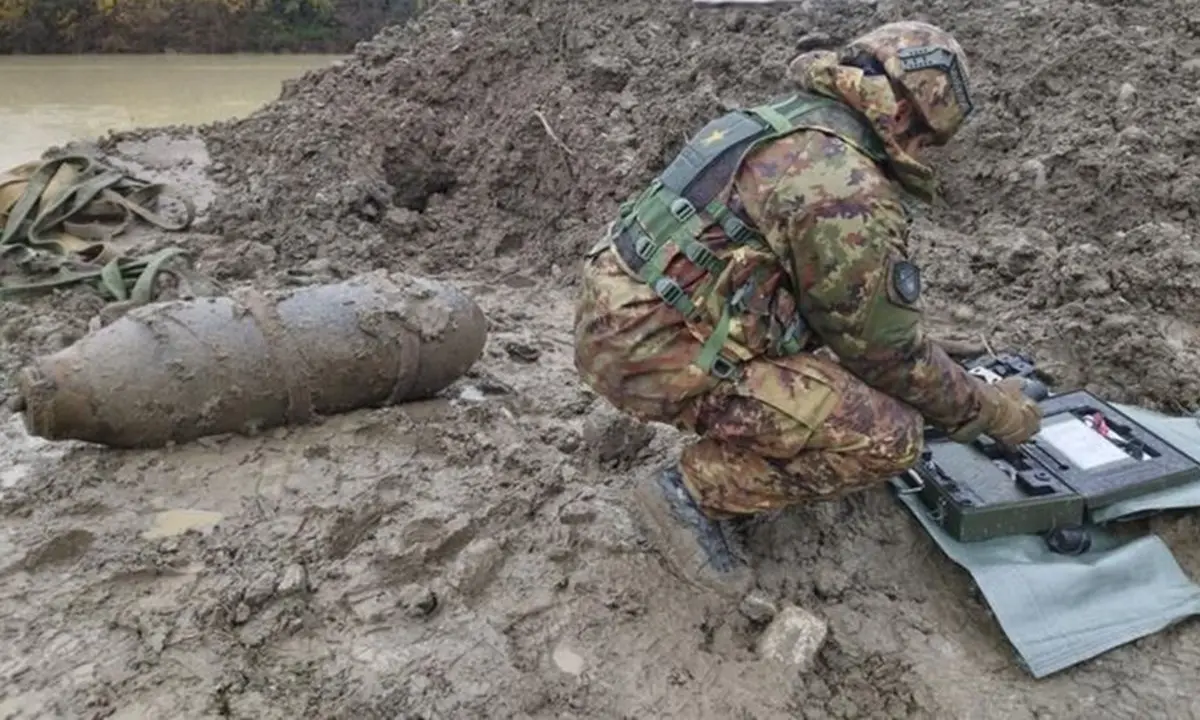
(757, 607)
(1035, 170)
(1133, 135)
(260, 590)
(522, 352)
(417, 600)
(241, 613)
(793, 638)
(962, 313)
(567, 660)
(401, 220)
(1126, 94)
(830, 583)
(317, 266)
(609, 73)
(576, 512)
(293, 580)
(616, 439)
(1191, 67)
(477, 565)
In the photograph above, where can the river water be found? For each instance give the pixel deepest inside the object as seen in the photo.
(49, 100)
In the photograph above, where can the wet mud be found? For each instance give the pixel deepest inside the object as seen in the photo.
(473, 555)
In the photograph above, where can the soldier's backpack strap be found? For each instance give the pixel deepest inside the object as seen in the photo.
(667, 212)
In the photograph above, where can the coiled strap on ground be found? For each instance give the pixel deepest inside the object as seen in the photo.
(60, 216)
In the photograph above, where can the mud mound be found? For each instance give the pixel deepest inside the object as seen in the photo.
(496, 137)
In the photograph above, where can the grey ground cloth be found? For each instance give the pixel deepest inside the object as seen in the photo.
(1057, 610)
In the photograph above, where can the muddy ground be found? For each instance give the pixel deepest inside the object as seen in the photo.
(473, 556)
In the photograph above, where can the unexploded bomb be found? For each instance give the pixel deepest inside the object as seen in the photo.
(180, 370)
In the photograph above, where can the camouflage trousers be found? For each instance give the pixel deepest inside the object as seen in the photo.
(762, 447)
(785, 431)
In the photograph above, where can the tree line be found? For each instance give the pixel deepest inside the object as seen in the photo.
(206, 26)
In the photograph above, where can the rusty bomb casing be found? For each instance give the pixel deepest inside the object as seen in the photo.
(180, 370)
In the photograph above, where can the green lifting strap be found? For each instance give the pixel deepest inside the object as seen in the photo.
(662, 215)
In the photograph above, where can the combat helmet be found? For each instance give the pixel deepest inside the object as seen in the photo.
(927, 63)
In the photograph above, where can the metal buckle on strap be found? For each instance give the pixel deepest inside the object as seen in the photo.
(723, 368)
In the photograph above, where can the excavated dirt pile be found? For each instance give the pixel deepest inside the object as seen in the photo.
(473, 556)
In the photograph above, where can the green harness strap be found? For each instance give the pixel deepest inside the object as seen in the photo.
(665, 216)
(95, 189)
(120, 278)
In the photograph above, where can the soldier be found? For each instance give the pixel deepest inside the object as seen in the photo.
(760, 293)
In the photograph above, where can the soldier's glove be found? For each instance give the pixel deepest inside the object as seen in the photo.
(1005, 414)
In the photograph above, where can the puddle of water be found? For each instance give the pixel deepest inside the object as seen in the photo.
(171, 523)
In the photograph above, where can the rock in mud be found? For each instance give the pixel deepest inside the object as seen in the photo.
(794, 638)
(293, 581)
(178, 371)
(417, 600)
(614, 439)
(757, 607)
(477, 564)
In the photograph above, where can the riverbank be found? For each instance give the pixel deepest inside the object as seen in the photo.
(186, 26)
(474, 556)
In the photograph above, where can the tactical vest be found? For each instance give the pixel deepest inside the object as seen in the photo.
(689, 197)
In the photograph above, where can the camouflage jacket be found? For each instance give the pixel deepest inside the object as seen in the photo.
(838, 227)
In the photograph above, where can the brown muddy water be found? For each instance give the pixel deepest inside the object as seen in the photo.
(52, 99)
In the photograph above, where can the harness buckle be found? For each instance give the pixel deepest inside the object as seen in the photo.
(668, 290)
(703, 258)
(683, 209)
(723, 369)
(644, 247)
(738, 231)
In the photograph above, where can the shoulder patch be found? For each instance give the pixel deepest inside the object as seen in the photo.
(906, 282)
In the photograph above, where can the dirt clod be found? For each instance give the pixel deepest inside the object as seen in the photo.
(757, 607)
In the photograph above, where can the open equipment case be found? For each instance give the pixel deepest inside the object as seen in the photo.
(1087, 455)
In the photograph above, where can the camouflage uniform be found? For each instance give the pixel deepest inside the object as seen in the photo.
(846, 411)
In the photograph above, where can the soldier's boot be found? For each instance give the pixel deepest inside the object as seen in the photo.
(706, 552)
